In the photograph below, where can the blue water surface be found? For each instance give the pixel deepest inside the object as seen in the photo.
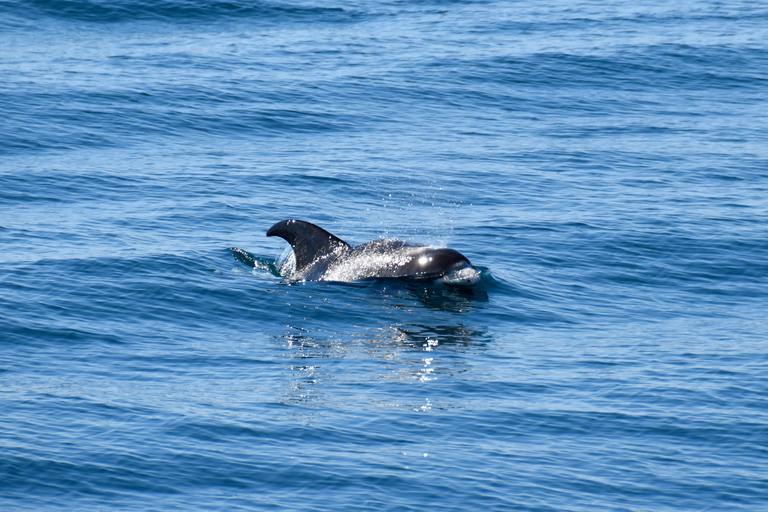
(604, 165)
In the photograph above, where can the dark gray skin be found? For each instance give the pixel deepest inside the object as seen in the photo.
(321, 256)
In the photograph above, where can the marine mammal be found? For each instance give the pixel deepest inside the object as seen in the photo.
(321, 256)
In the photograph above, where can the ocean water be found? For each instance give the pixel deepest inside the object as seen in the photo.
(604, 165)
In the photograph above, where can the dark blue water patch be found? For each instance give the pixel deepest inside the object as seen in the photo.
(190, 452)
(587, 276)
(158, 289)
(627, 20)
(24, 139)
(678, 67)
(54, 187)
(94, 11)
(132, 190)
(34, 331)
(702, 13)
(56, 122)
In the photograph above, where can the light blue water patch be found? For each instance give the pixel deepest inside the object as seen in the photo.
(604, 166)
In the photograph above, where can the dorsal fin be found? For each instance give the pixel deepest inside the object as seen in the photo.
(307, 240)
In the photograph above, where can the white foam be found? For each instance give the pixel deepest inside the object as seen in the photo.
(466, 276)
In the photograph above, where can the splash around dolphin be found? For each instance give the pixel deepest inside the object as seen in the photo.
(321, 256)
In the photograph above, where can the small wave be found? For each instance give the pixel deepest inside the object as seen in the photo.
(117, 120)
(96, 11)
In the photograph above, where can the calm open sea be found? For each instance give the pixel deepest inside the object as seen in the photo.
(604, 164)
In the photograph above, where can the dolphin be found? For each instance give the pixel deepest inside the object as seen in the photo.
(321, 256)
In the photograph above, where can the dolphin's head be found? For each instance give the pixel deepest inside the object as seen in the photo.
(446, 265)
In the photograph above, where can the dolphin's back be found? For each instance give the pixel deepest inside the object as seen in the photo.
(395, 258)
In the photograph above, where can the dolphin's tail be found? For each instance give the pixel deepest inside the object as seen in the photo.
(244, 256)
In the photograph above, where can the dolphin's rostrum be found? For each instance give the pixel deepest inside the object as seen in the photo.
(321, 256)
